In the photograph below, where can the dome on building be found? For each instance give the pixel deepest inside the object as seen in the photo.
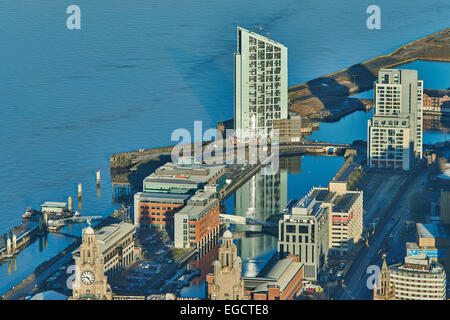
(216, 263)
(88, 230)
(228, 234)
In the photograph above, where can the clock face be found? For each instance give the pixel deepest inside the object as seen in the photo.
(87, 277)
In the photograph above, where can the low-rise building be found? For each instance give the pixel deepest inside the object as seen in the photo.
(115, 243)
(185, 178)
(436, 101)
(433, 240)
(197, 224)
(54, 207)
(154, 209)
(289, 130)
(284, 281)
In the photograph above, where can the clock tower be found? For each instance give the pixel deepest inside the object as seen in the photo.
(90, 280)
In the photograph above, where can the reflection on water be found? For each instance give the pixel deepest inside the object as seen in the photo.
(261, 197)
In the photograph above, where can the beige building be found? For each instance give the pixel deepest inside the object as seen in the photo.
(116, 244)
(226, 282)
(102, 254)
(289, 130)
(418, 278)
(345, 215)
(90, 282)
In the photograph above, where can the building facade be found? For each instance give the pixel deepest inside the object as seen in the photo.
(168, 189)
(436, 101)
(261, 92)
(153, 209)
(417, 279)
(116, 245)
(284, 281)
(90, 280)
(339, 208)
(303, 231)
(226, 282)
(395, 131)
(197, 224)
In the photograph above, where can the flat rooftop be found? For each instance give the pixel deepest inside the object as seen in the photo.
(163, 197)
(342, 203)
(280, 274)
(54, 204)
(184, 173)
(436, 93)
(108, 236)
(432, 230)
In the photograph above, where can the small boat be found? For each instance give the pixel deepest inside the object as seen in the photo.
(28, 213)
(76, 214)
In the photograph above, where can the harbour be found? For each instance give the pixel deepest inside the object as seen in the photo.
(99, 202)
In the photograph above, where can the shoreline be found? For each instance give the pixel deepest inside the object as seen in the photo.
(319, 98)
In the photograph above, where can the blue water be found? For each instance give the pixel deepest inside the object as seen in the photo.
(36, 252)
(256, 251)
(139, 69)
(435, 75)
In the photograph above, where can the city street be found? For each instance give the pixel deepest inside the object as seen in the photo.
(355, 286)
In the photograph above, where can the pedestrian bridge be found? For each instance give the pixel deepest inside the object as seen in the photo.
(231, 218)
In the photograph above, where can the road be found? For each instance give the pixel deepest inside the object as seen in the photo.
(355, 286)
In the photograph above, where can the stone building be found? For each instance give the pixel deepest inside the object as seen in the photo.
(90, 282)
(226, 282)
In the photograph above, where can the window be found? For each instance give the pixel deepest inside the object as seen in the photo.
(302, 229)
(290, 228)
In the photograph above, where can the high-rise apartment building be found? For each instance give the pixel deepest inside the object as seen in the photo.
(261, 92)
(395, 131)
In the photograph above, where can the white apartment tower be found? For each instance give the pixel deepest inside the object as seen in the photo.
(395, 131)
(260, 92)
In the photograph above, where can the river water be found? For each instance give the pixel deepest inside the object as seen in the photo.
(139, 69)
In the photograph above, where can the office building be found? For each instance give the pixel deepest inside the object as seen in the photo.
(154, 209)
(289, 130)
(115, 245)
(167, 190)
(395, 131)
(185, 178)
(197, 224)
(418, 278)
(303, 231)
(345, 222)
(261, 91)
